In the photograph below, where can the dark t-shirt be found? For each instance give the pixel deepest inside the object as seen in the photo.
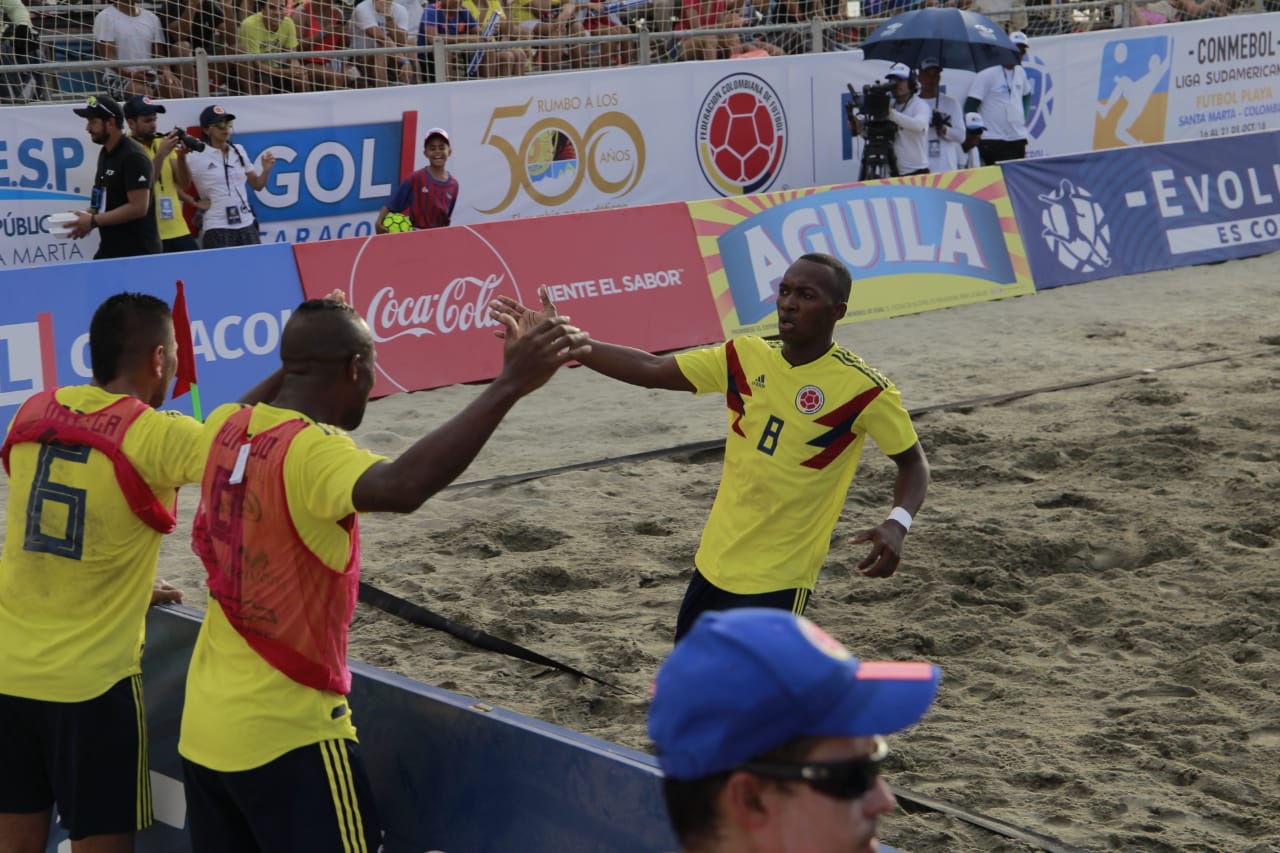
(126, 167)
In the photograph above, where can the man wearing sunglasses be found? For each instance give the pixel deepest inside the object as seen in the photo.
(770, 735)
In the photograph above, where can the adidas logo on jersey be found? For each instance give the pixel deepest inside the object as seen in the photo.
(758, 382)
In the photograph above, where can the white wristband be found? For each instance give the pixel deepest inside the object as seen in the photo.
(901, 516)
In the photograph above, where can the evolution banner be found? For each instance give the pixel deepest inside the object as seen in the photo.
(1108, 213)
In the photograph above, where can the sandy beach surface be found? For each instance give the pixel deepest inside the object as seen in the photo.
(1095, 568)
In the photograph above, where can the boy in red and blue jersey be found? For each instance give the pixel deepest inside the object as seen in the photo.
(427, 196)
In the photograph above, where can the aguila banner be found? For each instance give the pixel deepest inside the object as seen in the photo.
(631, 276)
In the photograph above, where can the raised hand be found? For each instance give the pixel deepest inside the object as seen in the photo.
(524, 318)
(530, 357)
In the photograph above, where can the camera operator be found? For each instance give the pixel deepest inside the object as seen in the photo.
(911, 116)
(946, 136)
(169, 163)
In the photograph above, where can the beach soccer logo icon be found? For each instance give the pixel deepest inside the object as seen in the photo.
(741, 135)
(1133, 92)
(809, 399)
(1041, 95)
(1076, 228)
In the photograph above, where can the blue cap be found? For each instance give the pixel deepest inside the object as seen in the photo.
(743, 682)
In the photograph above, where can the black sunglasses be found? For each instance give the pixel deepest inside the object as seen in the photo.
(844, 780)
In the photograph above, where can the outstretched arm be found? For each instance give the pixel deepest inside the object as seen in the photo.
(436, 459)
(908, 493)
(627, 364)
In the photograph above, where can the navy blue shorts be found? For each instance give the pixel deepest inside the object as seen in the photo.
(702, 595)
(314, 798)
(89, 757)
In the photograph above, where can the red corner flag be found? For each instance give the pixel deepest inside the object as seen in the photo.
(186, 375)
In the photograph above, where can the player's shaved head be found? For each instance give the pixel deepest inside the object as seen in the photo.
(125, 330)
(323, 330)
(841, 281)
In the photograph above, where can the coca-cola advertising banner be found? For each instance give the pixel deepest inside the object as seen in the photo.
(631, 276)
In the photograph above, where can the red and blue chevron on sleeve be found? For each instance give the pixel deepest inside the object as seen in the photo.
(738, 387)
(835, 440)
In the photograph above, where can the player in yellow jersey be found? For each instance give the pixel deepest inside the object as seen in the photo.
(800, 409)
(268, 745)
(93, 476)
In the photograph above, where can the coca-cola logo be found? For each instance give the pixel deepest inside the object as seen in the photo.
(460, 306)
(426, 299)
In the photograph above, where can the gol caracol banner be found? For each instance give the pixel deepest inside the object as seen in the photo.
(239, 300)
(628, 276)
(912, 245)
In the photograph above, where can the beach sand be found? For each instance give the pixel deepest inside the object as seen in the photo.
(1094, 568)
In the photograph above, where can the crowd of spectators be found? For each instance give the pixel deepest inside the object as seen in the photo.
(146, 31)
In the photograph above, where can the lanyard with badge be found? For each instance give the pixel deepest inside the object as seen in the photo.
(166, 202)
(1013, 109)
(233, 211)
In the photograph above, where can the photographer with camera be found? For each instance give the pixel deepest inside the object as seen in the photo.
(169, 164)
(895, 127)
(946, 136)
(220, 173)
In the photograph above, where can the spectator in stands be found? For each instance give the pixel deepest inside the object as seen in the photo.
(946, 126)
(770, 735)
(1002, 95)
(794, 41)
(429, 195)
(597, 20)
(169, 164)
(209, 25)
(121, 204)
(220, 173)
(382, 23)
(460, 22)
(1199, 10)
(124, 30)
(270, 30)
(708, 15)
(321, 27)
(548, 19)
(25, 51)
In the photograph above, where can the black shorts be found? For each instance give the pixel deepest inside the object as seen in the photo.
(218, 238)
(315, 798)
(89, 757)
(999, 150)
(702, 595)
(185, 243)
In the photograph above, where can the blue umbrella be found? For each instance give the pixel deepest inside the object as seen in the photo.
(966, 41)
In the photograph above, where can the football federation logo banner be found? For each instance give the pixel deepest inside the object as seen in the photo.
(630, 276)
(912, 244)
(1128, 211)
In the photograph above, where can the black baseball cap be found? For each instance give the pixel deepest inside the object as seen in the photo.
(141, 105)
(214, 114)
(101, 106)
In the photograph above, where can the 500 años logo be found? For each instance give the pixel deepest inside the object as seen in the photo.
(553, 158)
